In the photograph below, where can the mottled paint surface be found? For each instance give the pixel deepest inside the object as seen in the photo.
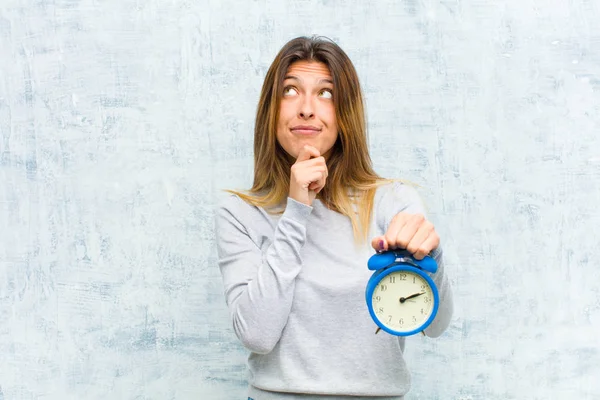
(122, 120)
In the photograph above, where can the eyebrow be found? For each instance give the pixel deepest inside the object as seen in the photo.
(322, 80)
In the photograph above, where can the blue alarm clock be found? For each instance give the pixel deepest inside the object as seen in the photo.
(401, 296)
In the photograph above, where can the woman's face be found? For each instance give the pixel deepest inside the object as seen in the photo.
(307, 113)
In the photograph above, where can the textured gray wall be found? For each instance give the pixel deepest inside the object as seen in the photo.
(121, 120)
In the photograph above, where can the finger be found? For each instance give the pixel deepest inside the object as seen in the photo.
(379, 243)
(321, 172)
(307, 152)
(409, 230)
(318, 185)
(419, 237)
(316, 179)
(314, 162)
(323, 181)
(394, 228)
(431, 243)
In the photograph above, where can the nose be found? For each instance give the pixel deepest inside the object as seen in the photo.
(306, 109)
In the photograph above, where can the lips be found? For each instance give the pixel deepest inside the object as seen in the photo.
(305, 130)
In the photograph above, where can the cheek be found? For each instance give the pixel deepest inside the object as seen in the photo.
(281, 123)
(332, 120)
(281, 134)
(283, 139)
(330, 115)
(286, 111)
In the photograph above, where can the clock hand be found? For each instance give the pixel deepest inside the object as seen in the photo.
(403, 299)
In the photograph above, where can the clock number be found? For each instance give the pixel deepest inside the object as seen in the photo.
(426, 300)
(401, 321)
(423, 287)
(380, 311)
(378, 298)
(414, 319)
(392, 279)
(383, 288)
(389, 318)
(402, 277)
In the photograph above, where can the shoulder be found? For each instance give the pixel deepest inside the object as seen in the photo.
(231, 204)
(231, 201)
(237, 220)
(235, 208)
(233, 216)
(231, 207)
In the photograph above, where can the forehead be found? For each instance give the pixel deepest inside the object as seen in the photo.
(316, 69)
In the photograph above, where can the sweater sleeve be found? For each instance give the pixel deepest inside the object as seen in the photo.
(404, 198)
(259, 288)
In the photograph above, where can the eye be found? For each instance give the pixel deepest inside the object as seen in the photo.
(290, 91)
(326, 93)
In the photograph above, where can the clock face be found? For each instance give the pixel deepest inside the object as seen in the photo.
(403, 301)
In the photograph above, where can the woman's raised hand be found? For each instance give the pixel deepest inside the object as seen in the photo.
(308, 175)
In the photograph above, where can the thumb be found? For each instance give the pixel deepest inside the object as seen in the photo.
(379, 243)
(307, 152)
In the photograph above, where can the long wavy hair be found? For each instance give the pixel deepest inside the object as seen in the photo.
(352, 182)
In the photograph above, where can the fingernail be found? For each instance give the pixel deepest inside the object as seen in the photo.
(381, 245)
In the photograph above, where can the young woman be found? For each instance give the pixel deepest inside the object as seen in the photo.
(293, 249)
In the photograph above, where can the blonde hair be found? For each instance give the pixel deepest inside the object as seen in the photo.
(352, 182)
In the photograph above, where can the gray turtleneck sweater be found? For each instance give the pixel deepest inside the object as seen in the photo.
(295, 287)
